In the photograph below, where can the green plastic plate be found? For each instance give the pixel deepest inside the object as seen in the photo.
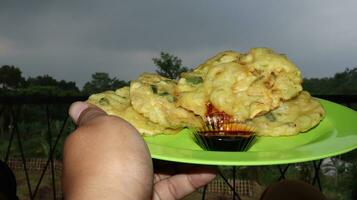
(336, 134)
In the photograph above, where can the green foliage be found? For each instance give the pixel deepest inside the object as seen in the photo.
(42, 80)
(35, 139)
(10, 78)
(169, 66)
(48, 86)
(341, 83)
(13, 84)
(101, 82)
(46, 90)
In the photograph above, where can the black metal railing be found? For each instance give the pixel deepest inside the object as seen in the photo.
(15, 111)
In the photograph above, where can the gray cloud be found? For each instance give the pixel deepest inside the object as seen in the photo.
(73, 39)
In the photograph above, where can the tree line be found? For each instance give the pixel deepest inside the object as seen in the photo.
(13, 83)
(341, 83)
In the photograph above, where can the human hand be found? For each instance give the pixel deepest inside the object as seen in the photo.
(176, 180)
(106, 158)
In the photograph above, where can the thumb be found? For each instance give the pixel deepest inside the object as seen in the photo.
(83, 112)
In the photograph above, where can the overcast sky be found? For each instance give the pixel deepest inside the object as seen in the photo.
(73, 39)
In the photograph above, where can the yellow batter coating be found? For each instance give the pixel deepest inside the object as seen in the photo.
(192, 95)
(118, 103)
(193, 91)
(153, 96)
(241, 85)
(292, 117)
(111, 101)
(260, 88)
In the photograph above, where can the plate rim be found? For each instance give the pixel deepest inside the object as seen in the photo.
(203, 158)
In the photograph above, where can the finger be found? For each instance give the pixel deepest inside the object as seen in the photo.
(178, 186)
(166, 169)
(160, 177)
(82, 112)
(76, 109)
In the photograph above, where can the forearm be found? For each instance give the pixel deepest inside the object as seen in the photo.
(96, 162)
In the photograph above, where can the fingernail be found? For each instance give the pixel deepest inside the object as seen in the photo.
(76, 109)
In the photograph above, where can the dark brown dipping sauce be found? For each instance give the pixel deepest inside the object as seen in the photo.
(226, 133)
(225, 143)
